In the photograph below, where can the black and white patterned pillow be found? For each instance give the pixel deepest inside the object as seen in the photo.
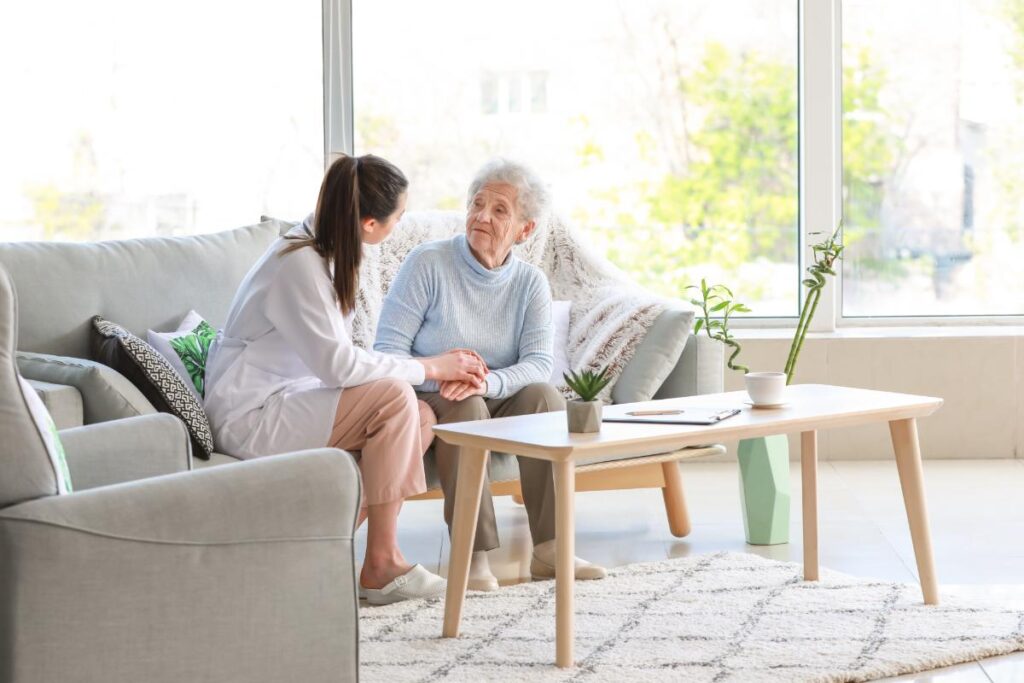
(150, 372)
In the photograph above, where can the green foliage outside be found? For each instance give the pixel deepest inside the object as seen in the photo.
(739, 187)
(67, 215)
(869, 149)
(734, 201)
(1009, 169)
(78, 213)
(376, 132)
(1013, 11)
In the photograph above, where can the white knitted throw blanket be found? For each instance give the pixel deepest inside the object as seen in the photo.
(609, 316)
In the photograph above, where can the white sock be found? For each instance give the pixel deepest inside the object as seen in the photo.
(480, 567)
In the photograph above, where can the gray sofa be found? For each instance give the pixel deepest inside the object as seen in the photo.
(150, 572)
(152, 283)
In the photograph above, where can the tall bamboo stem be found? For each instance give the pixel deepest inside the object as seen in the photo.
(801, 323)
(798, 341)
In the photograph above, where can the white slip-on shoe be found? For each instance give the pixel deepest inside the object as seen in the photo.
(485, 584)
(481, 578)
(415, 584)
(585, 571)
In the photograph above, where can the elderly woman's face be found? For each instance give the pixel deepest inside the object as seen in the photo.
(494, 223)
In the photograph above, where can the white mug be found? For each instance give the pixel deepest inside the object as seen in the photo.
(765, 388)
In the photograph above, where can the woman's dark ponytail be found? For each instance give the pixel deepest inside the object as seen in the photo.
(353, 188)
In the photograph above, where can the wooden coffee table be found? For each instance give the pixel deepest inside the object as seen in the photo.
(810, 407)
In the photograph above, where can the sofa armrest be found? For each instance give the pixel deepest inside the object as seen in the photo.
(241, 573)
(700, 370)
(125, 450)
(106, 393)
(302, 494)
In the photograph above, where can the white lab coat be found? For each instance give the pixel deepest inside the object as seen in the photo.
(276, 371)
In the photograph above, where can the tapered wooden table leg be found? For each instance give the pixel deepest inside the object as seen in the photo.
(908, 464)
(675, 499)
(472, 463)
(809, 488)
(565, 556)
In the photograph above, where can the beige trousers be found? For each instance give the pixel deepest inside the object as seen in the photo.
(391, 429)
(535, 476)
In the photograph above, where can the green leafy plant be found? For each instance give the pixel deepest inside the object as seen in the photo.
(193, 349)
(825, 255)
(719, 299)
(587, 384)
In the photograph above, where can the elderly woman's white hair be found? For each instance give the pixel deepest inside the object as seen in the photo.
(532, 194)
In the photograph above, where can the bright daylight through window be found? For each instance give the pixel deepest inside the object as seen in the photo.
(135, 118)
(933, 157)
(667, 129)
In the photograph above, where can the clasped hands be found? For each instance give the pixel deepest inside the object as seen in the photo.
(473, 382)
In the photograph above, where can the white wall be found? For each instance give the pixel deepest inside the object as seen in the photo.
(976, 371)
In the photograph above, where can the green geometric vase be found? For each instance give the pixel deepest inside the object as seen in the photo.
(764, 489)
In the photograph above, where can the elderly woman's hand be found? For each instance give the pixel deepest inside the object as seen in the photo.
(458, 391)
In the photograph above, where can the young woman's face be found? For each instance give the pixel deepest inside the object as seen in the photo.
(375, 231)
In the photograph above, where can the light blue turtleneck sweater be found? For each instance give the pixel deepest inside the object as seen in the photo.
(443, 298)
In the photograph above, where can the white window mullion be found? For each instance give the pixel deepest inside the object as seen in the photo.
(337, 48)
(820, 141)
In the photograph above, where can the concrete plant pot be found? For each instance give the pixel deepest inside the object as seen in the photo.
(584, 416)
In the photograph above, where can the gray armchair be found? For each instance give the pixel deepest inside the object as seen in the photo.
(150, 572)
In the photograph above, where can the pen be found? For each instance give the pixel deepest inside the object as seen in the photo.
(639, 413)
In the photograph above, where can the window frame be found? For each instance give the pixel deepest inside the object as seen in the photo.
(339, 100)
(820, 157)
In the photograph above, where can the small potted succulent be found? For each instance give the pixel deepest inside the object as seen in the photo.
(584, 414)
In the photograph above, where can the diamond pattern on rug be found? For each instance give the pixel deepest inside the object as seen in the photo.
(715, 618)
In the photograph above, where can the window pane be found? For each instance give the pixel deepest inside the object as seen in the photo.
(933, 97)
(137, 118)
(667, 129)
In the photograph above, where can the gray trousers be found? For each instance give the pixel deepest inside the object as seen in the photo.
(535, 476)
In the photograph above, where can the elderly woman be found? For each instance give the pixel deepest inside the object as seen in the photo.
(471, 292)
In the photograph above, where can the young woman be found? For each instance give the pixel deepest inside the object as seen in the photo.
(284, 374)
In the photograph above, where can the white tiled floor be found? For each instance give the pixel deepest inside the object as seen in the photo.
(976, 509)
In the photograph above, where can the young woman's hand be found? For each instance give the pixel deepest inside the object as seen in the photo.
(457, 391)
(474, 353)
(459, 365)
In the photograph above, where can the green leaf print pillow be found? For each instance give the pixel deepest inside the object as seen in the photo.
(187, 349)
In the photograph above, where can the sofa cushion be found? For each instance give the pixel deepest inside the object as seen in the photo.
(187, 349)
(154, 377)
(147, 283)
(699, 370)
(560, 324)
(64, 403)
(106, 394)
(217, 459)
(51, 440)
(655, 358)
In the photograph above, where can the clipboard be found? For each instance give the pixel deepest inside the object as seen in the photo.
(674, 416)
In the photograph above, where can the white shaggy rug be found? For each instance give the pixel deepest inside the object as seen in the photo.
(721, 617)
